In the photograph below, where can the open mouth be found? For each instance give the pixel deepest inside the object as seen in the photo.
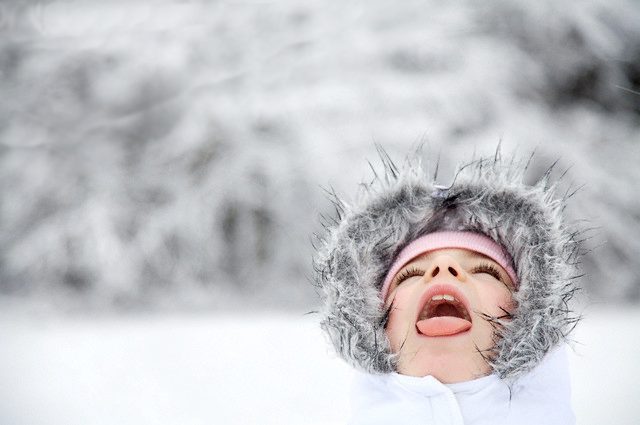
(444, 314)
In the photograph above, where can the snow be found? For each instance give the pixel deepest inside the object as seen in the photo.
(270, 368)
(150, 158)
(148, 149)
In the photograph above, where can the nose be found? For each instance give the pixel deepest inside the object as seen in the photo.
(445, 265)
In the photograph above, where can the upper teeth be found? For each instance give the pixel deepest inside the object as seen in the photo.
(443, 297)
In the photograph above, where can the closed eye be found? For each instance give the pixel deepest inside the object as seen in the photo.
(408, 273)
(489, 269)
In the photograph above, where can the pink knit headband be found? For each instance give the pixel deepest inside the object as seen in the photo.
(465, 240)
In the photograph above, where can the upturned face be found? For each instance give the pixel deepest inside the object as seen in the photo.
(439, 303)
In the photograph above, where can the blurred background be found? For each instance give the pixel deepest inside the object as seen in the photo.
(162, 167)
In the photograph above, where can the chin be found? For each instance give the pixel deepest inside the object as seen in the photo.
(446, 369)
(449, 359)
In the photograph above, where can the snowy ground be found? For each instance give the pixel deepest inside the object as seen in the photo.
(273, 369)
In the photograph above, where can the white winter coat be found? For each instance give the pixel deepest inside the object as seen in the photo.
(541, 397)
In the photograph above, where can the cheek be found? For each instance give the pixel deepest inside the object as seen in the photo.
(494, 298)
(400, 317)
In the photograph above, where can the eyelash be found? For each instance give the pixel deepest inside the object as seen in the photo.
(487, 268)
(480, 268)
(408, 273)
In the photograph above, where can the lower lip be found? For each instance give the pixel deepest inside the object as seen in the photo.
(443, 326)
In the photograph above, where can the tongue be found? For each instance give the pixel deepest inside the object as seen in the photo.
(443, 326)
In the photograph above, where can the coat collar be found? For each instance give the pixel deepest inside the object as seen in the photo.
(541, 396)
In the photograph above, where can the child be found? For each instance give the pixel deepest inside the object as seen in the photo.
(452, 301)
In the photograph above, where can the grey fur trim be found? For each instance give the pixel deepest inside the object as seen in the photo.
(403, 203)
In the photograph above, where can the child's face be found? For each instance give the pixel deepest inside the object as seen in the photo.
(436, 324)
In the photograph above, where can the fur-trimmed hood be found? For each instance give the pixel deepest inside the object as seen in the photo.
(402, 203)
